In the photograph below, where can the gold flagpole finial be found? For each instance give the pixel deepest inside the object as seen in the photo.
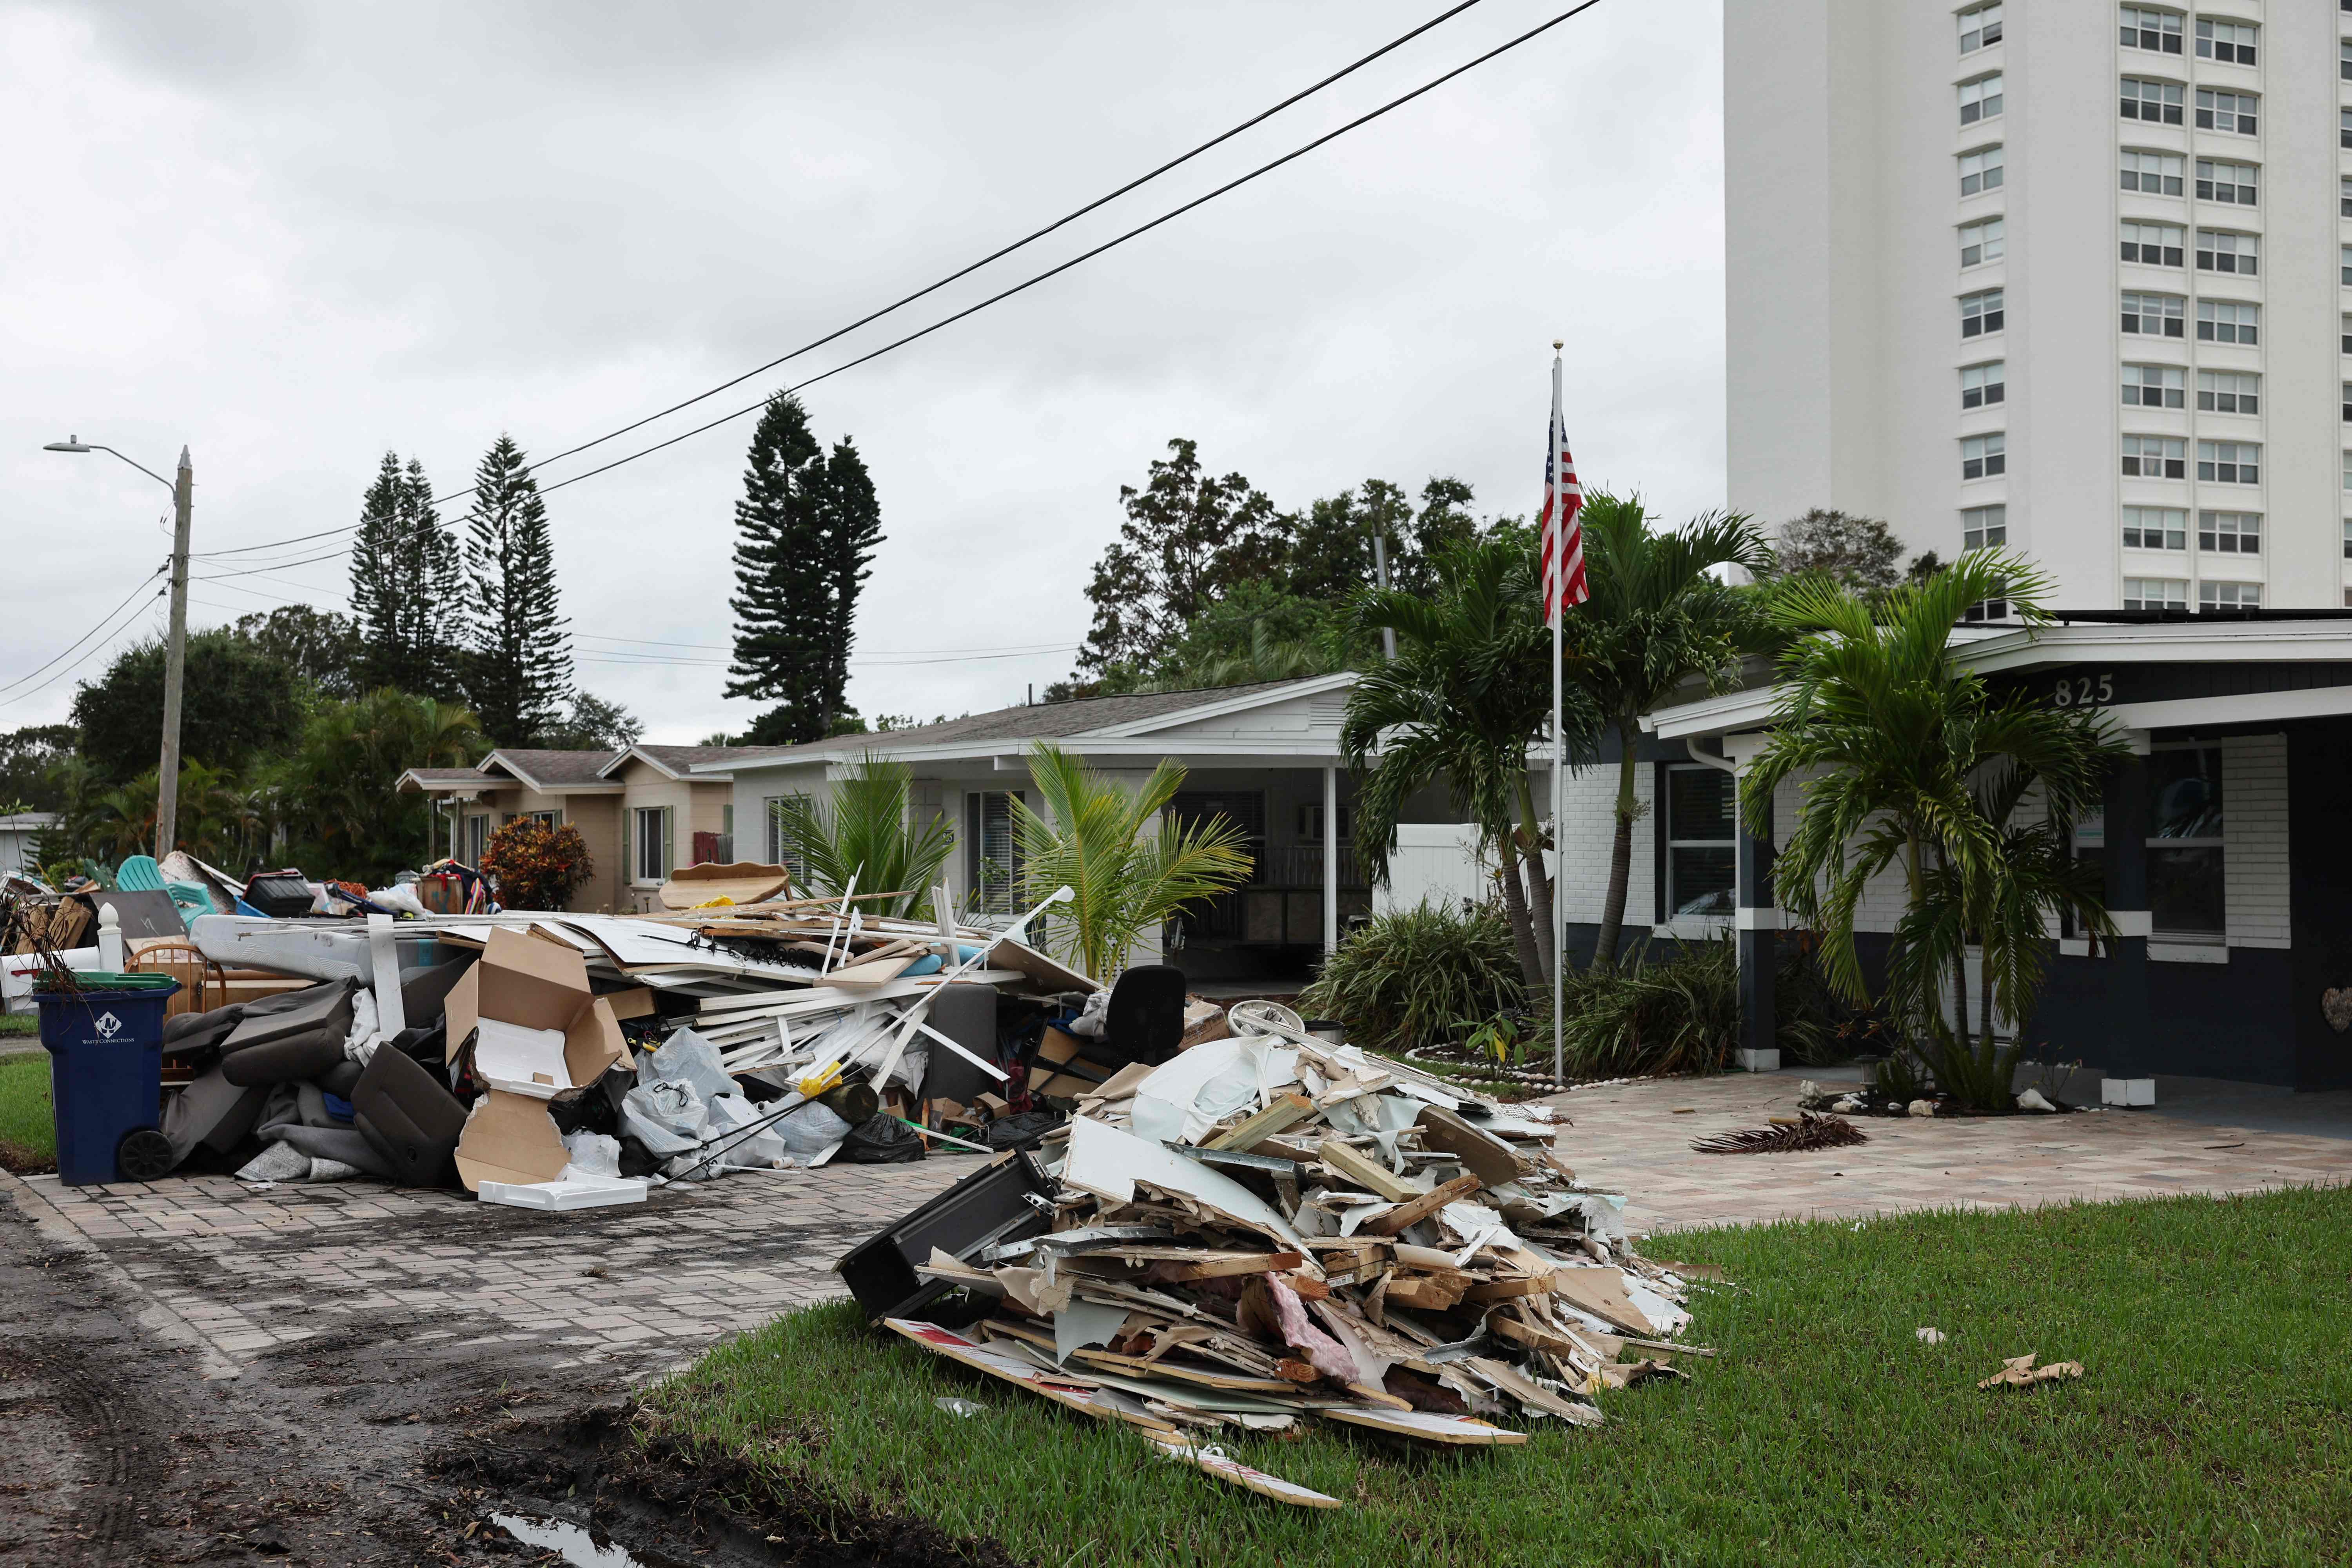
(1558, 344)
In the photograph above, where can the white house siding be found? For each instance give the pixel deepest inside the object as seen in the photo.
(2255, 858)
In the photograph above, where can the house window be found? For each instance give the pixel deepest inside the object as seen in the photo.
(2221, 181)
(2154, 594)
(1984, 385)
(2186, 893)
(2154, 386)
(2155, 244)
(1984, 527)
(1979, 26)
(2228, 322)
(1979, 171)
(549, 818)
(1981, 242)
(647, 853)
(779, 848)
(2158, 31)
(2229, 462)
(1980, 313)
(1983, 456)
(1980, 99)
(2153, 315)
(2230, 532)
(2233, 112)
(2156, 528)
(2229, 392)
(2231, 43)
(2229, 595)
(2156, 102)
(2156, 457)
(992, 853)
(2152, 173)
(1702, 849)
(2218, 250)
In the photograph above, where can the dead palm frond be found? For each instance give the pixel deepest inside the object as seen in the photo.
(1807, 1134)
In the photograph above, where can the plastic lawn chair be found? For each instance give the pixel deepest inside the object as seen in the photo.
(139, 874)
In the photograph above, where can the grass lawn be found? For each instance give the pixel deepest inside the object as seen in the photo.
(27, 1024)
(28, 1139)
(2210, 1426)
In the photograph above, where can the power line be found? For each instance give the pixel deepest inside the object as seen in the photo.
(248, 549)
(959, 274)
(94, 650)
(88, 634)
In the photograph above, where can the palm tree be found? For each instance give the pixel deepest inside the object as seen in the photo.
(866, 834)
(1469, 690)
(1092, 839)
(1907, 762)
(1657, 617)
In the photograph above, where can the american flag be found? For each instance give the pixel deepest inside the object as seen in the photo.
(1563, 536)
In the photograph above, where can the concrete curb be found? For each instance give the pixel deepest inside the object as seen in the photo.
(154, 1316)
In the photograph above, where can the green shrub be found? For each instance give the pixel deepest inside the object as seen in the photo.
(1408, 977)
(1674, 1013)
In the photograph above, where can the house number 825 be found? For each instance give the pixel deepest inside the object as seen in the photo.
(2085, 690)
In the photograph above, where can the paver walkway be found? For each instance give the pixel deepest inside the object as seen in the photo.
(640, 1290)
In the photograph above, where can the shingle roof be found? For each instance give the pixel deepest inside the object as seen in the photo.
(1040, 722)
(444, 775)
(555, 767)
(683, 757)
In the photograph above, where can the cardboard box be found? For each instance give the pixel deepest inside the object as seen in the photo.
(549, 1038)
(509, 1137)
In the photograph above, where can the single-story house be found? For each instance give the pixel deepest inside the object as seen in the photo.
(17, 833)
(642, 810)
(1263, 756)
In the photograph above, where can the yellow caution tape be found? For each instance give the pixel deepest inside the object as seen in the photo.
(822, 1079)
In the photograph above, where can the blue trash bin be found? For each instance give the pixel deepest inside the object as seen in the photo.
(106, 1075)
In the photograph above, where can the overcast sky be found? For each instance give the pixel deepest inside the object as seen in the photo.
(293, 237)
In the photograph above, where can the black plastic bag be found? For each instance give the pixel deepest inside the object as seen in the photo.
(1022, 1132)
(880, 1141)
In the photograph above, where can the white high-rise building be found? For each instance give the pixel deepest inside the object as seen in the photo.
(2070, 275)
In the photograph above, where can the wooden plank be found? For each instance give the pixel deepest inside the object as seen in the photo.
(1285, 1110)
(1415, 1210)
(1483, 1152)
(1366, 1173)
(1240, 1263)
(1136, 1366)
(1602, 1292)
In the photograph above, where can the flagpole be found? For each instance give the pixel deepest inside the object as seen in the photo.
(1559, 762)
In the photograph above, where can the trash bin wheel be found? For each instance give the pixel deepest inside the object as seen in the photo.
(144, 1156)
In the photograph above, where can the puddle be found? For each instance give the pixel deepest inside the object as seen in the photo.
(582, 1547)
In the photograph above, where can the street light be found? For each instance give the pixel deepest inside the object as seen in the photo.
(175, 657)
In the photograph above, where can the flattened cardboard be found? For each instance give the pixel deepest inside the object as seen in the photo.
(509, 1137)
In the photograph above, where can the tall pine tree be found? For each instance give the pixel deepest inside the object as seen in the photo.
(518, 663)
(407, 587)
(807, 529)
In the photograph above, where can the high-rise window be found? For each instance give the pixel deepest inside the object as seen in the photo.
(2231, 43)
(2152, 315)
(2154, 386)
(2229, 595)
(2231, 112)
(2156, 457)
(2220, 181)
(1982, 242)
(2156, 528)
(1980, 99)
(1980, 26)
(2229, 462)
(1984, 456)
(2228, 322)
(2154, 594)
(2347, 471)
(2344, 56)
(2348, 403)
(2230, 532)
(2344, 195)
(1981, 313)
(2219, 250)
(1987, 527)
(1979, 171)
(2229, 392)
(2347, 329)
(1982, 385)
(2155, 102)
(2348, 537)
(2145, 29)
(2155, 244)
(2151, 174)
(2343, 261)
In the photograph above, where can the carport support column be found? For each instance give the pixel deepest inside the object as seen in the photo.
(1759, 924)
(1331, 859)
(2128, 1014)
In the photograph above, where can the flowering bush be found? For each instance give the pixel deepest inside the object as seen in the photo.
(536, 867)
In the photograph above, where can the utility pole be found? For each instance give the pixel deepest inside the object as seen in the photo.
(1381, 575)
(175, 663)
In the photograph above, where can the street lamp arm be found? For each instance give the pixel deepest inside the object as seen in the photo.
(141, 466)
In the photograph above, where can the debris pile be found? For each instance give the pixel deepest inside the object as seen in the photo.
(1270, 1228)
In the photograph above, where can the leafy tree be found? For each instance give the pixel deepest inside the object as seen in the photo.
(336, 795)
(1657, 617)
(867, 831)
(408, 597)
(1859, 553)
(236, 699)
(596, 725)
(807, 529)
(323, 646)
(34, 767)
(1091, 839)
(1188, 536)
(1911, 762)
(519, 668)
